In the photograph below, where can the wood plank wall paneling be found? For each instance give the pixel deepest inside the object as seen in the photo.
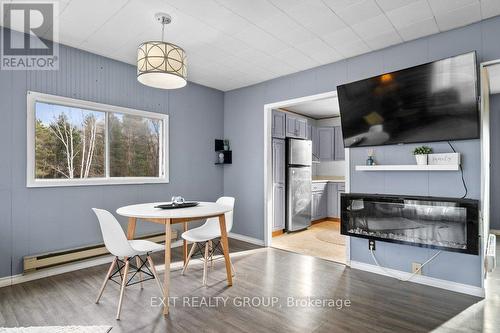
(50, 219)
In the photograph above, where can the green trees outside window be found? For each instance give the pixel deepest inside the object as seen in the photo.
(72, 142)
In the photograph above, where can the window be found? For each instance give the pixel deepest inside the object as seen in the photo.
(75, 142)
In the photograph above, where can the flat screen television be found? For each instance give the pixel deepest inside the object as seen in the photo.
(437, 101)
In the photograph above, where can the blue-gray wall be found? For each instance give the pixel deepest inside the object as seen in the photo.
(244, 126)
(463, 268)
(36, 220)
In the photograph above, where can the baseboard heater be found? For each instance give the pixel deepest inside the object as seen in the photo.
(46, 260)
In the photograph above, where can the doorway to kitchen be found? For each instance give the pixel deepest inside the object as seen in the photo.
(306, 169)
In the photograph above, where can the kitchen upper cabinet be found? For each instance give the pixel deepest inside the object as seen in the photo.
(309, 132)
(279, 161)
(302, 127)
(279, 207)
(296, 127)
(339, 151)
(278, 124)
(315, 143)
(326, 138)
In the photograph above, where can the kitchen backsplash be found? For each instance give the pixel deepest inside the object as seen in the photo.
(330, 168)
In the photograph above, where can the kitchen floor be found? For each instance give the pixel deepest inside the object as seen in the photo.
(322, 240)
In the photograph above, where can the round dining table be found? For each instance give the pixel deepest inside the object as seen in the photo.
(149, 213)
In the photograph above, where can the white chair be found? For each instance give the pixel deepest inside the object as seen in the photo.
(207, 233)
(118, 245)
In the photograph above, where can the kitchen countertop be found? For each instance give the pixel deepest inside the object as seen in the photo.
(328, 179)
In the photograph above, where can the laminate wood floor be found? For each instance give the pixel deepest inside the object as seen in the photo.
(377, 303)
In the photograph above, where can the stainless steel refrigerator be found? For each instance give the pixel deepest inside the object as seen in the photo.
(298, 184)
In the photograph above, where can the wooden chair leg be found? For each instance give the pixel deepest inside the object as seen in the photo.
(205, 264)
(110, 271)
(138, 264)
(188, 258)
(122, 290)
(155, 274)
(230, 262)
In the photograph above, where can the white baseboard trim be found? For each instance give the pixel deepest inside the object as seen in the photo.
(46, 272)
(422, 279)
(247, 239)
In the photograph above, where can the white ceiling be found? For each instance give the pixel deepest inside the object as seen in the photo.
(236, 43)
(318, 109)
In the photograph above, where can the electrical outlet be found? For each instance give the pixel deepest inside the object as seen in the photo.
(371, 244)
(416, 266)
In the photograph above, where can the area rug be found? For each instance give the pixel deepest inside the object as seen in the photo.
(329, 232)
(322, 240)
(57, 329)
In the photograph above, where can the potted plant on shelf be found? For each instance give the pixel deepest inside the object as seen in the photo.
(421, 154)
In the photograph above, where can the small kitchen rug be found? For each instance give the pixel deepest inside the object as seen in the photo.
(57, 329)
(329, 232)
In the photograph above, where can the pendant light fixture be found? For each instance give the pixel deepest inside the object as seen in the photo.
(160, 64)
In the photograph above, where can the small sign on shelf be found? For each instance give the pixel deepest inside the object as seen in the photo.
(444, 159)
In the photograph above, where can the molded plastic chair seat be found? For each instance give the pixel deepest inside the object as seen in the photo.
(143, 246)
(206, 233)
(118, 245)
(202, 234)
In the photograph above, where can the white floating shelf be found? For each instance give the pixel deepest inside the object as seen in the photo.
(410, 167)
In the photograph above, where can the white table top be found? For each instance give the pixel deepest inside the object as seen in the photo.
(148, 210)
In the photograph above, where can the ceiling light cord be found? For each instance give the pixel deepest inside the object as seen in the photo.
(398, 277)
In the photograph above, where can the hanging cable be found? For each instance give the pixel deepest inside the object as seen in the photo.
(398, 277)
(461, 172)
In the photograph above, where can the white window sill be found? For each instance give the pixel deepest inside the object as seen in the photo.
(95, 181)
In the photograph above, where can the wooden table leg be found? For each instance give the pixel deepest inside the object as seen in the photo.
(166, 274)
(132, 221)
(185, 245)
(225, 248)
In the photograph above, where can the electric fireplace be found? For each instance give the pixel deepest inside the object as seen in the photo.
(440, 223)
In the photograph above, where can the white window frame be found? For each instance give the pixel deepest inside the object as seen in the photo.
(31, 181)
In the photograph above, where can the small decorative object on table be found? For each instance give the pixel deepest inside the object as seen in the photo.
(370, 160)
(421, 154)
(178, 202)
(221, 158)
